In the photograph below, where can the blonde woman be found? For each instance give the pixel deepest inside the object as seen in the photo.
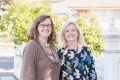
(76, 59)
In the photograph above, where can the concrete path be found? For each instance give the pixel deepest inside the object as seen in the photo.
(7, 63)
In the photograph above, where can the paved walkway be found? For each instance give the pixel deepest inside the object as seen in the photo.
(7, 63)
(7, 68)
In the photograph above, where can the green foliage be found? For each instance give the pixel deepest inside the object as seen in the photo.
(2, 22)
(21, 16)
(92, 34)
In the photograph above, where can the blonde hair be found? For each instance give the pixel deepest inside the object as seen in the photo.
(61, 39)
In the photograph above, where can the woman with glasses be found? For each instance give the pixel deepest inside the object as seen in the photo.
(76, 59)
(40, 61)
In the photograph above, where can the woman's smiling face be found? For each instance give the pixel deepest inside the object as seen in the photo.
(71, 33)
(45, 28)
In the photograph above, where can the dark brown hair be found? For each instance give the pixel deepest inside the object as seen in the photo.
(33, 34)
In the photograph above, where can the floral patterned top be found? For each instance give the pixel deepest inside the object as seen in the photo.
(77, 64)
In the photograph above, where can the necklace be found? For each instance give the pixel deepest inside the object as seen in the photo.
(53, 58)
(47, 47)
(46, 44)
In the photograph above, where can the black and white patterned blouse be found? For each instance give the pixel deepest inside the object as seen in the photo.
(77, 64)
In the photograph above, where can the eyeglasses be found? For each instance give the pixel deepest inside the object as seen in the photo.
(45, 25)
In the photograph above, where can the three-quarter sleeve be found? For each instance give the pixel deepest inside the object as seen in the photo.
(28, 71)
(90, 66)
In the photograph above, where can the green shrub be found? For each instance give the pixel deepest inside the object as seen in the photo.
(21, 16)
(91, 33)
